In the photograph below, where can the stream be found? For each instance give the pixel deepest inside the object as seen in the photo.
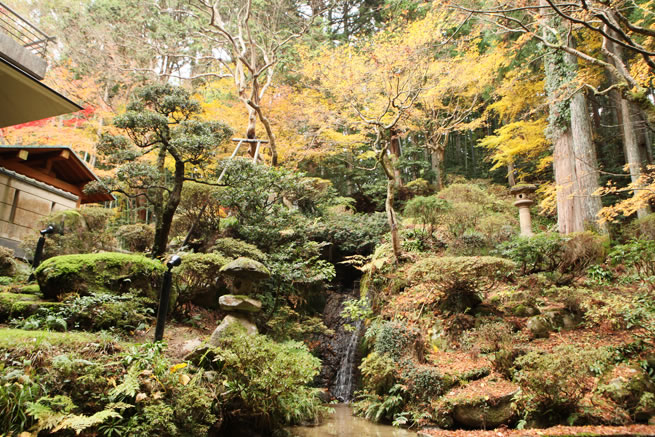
(342, 423)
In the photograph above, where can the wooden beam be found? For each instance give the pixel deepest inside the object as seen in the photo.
(248, 140)
(38, 175)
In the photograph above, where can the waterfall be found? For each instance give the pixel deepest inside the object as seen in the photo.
(343, 386)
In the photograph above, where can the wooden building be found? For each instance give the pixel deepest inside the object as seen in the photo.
(38, 180)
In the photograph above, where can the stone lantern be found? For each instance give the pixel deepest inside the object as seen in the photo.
(523, 201)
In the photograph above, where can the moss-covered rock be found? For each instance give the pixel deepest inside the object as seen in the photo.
(7, 263)
(100, 272)
(13, 305)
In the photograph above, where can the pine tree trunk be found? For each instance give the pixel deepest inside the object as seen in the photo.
(164, 222)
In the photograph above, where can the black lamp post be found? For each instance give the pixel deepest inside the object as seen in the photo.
(38, 253)
(165, 297)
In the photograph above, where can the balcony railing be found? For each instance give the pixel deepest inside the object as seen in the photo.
(24, 32)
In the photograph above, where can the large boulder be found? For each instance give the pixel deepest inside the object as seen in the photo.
(245, 272)
(486, 403)
(230, 302)
(539, 326)
(100, 272)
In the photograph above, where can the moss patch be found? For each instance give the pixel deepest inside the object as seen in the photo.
(13, 338)
(100, 272)
(14, 305)
(31, 289)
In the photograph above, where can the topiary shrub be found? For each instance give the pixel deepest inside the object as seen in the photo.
(7, 263)
(96, 312)
(425, 382)
(395, 339)
(461, 282)
(115, 273)
(197, 278)
(137, 237)
(234, 248)
(540, 253)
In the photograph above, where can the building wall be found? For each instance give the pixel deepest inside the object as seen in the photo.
(22, 206)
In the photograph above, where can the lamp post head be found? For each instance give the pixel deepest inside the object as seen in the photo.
(49, 230)
(174, 261)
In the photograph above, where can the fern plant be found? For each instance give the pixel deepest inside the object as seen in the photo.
(55, 414)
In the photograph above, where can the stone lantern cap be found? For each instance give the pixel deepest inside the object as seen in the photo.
(522, 193)
(246, 268)
(523, 188)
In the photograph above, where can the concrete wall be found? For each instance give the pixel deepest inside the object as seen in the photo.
(21, 216)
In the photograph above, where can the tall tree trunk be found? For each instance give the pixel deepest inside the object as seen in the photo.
(510, 174)
(586, 163)
(574, 156)
(437, 154)
(633, 156)
(568, 219)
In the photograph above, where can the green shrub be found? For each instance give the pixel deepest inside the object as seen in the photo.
(137, 237)
(108, 272)
(394, 339)
(266, 382)
(643, 228)
(554, 383)
(287, 324)
(428, 211)
(638, 255)
(96, 312)
(76, 231)
(198, 275)
(540, 253)
(233, 248)
(378, 373)
(424, 382)
(7, 263)
(419, 187)
(349, 233)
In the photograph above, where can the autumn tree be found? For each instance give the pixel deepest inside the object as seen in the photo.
(165, 144)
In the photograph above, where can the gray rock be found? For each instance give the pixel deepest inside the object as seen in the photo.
(227, 322)
(230, 302)
(539, 326)
(485, 413)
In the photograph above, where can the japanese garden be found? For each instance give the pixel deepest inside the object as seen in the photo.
(327, 218)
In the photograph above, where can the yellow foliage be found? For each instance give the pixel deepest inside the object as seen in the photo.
(518, 140)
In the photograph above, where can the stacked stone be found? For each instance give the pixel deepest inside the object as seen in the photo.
(245, 273)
